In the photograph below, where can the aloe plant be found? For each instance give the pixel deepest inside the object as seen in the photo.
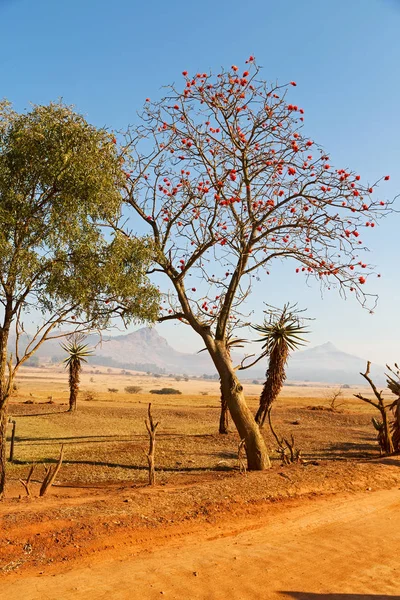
(281, 333)
(77, 353)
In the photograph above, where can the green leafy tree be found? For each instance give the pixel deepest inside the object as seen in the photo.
(60, 182)
(281, 333)
(77, 354)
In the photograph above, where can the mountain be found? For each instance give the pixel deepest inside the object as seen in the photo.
(329, 364)
(146, 346)
(146, 350)
(142, 350)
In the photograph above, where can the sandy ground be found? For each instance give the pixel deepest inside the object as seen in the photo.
(337, 548)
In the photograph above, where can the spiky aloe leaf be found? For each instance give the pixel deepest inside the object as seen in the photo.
(282, 327)
(377, 424)
(77, 351)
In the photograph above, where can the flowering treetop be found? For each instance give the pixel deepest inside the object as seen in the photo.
(228, 181)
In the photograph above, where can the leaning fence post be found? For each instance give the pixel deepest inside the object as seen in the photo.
(14, 424)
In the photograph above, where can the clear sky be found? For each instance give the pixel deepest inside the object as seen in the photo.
(107, 57)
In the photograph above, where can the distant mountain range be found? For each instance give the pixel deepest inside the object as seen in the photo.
(146, 350)
(326, 363)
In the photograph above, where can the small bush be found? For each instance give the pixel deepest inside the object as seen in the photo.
(113, 390)
(90, 396)
(133, 389)
(165, 391)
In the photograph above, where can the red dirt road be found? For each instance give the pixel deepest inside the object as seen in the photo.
(337, 548)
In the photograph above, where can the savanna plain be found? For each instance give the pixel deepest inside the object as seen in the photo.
(208, 528)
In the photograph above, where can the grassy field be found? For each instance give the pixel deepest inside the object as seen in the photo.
(105, 441)
(101, 500)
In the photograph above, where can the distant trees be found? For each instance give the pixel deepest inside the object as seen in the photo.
(133, 389)
(229, 185)
(60, 182)
(166, 391)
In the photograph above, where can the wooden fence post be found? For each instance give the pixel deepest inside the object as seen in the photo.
(151, 429)
(14, 425)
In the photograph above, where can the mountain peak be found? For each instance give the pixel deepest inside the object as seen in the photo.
(328, 347)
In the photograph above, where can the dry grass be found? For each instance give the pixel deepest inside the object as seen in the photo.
(106, 440)
(102, 499)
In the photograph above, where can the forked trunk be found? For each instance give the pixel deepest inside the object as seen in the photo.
(224, 414)
(256, 450)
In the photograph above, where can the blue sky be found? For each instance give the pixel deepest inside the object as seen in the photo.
(107, 57)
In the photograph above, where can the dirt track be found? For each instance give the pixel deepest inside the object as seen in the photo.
(338, 548)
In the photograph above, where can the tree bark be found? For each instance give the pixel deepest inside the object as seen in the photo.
(388, 434)
(5, 386)
(72, 400)
(224, 414)
(395, 429)
(275, 377)
(256, 450)
(73, 386)
(3, 444)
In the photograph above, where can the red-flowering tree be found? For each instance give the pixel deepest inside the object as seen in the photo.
(227, 181)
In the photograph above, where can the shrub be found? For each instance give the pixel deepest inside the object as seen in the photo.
(165, 391)
(90, 396)
(133, 389)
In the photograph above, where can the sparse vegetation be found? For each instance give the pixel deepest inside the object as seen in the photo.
(334, 398)
(133, 389)
(90, 396)
(166, 391)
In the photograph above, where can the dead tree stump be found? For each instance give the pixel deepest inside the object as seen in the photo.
(51, 474)
(28, 480)
(151, 429)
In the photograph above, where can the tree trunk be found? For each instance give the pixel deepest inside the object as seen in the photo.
(256, 450)
(275, 378)
(73, 386)
(3, 444)
(395, 430)
(224, 414)
(5, 386)
(387, 433)
(72, 400)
